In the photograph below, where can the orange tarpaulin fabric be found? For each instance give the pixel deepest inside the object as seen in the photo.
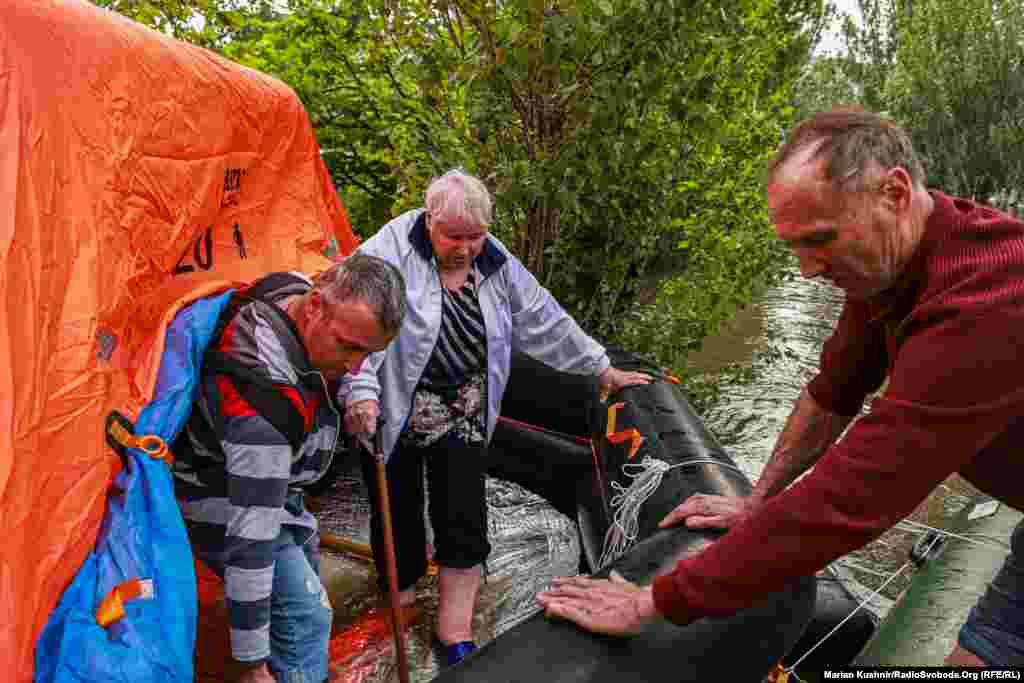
(136, 173)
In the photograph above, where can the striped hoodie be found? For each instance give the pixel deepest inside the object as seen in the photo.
(239, 484)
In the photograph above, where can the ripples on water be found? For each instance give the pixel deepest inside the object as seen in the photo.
(795, 318)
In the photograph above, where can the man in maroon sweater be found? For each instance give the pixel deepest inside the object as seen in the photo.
(935, 301)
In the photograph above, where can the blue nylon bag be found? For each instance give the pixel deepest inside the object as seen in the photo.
(142, 536)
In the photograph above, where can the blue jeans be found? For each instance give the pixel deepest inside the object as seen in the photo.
(994, 629)
(300, 611)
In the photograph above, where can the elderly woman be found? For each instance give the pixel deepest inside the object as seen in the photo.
(439, 385)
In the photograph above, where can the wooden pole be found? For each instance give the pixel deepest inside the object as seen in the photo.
(343, 545)
(389, 553)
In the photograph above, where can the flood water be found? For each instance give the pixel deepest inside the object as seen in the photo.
(792, 320)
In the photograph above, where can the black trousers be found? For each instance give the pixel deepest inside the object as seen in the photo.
(457, 507)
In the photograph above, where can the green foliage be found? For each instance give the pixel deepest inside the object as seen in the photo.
(627, 138)
(380, 137)
(824, 84)
(952, 73)
(207, 23)
(624, 140)
(958, 85)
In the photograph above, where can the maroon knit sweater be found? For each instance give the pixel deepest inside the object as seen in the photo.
(950, 335)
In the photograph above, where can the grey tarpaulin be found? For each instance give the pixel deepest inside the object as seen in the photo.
(531, 544)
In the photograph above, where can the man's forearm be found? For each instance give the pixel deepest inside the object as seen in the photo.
(809, 431)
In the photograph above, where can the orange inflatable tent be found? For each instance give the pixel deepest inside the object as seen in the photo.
(137, 173)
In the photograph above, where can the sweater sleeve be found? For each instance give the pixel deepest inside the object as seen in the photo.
(257, 462)
(955, 386)
(853, 362)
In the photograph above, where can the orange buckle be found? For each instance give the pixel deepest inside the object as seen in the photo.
(151, 445)
(112, 607)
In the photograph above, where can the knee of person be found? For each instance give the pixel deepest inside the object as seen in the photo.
(318, 615)
(323, 596)
(324, 616)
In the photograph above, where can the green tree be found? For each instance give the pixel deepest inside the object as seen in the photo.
(825, 83)
(621, 138)
(207, 23)
(952, 73)
(357, 75)
(624, 140)
(958, 85)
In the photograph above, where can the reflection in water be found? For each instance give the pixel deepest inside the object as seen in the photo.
(797, 316)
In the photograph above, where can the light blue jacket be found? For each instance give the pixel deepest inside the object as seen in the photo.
(519, 314)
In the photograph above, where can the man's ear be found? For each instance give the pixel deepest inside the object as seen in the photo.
(897, 190)
(315, 304)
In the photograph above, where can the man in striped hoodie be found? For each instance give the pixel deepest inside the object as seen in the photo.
(263, 426)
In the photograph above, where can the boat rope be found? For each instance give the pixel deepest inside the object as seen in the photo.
(936, 536)
(988, 542)
(792, 668)
(647, 476)
(861, 568)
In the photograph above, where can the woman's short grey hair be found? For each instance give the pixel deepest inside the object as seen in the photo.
(459, 197)
(361, 277)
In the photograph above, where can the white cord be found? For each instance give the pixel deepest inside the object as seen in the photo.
(647, 476)
(916, 527)
(626, 502)
(863, 603)
(861, 568)
(910, 526)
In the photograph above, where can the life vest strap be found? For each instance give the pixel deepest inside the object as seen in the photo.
(120, 435)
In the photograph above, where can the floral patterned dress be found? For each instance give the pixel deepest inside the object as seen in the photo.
(451, 396)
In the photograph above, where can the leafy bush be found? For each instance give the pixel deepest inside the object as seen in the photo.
(624, 140)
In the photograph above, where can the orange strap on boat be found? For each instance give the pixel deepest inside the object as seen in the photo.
(112, 607)
(632, 434)
(151, 445)
(778, 675)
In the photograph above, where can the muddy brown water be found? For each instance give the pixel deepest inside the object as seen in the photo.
(795, 318)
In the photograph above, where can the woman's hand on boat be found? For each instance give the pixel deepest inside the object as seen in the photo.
(613, 379)
(612, 606)
(704, 511)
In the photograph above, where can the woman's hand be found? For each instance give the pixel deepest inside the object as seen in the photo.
(613, 379)
(614, 606)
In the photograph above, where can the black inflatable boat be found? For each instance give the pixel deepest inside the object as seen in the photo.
(624, 464)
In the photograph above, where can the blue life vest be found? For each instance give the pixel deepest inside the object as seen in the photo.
(141, 575)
